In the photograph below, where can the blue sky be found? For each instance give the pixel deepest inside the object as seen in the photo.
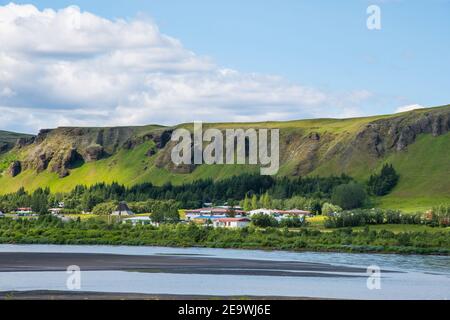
(323, 45)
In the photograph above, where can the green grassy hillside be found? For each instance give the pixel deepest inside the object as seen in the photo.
(416, 143)
(425, 174)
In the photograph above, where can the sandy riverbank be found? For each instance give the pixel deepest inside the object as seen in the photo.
(65, 295)
(180, 264)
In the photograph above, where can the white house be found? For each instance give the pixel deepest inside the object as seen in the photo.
(140, 220)
(231, 223)
(268, 212)
(295, 213)
(24, 211)
(55, 210)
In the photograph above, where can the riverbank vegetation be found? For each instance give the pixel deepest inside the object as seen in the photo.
(50, 230)
(439, 216)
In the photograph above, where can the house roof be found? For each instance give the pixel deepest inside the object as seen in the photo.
(123, 207)
(213, 210)
(276, 211)
(295, 211)
(138, 219)
(233, 220)
(208, 217)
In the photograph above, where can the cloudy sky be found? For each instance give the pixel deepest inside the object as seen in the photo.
(96, 63)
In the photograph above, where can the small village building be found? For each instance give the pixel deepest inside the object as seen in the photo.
(231, 223)
(277, 213)
(281, 214)
(295, 213)
(23, 211)
(205, 220)
(55, 211)
(122, 210)
(268, 212)
(216, 212)
(140, 221)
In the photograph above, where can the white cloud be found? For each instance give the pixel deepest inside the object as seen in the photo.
(69, 67)
(409, 108)
(6, 92)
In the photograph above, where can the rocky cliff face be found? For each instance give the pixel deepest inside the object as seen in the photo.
(303, 149)
(59, 150)
(306, 149)
(397, 133)
(375, 139)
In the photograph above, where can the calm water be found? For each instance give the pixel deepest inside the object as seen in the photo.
(421, 277)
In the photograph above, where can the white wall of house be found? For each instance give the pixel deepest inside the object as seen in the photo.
(230, 224)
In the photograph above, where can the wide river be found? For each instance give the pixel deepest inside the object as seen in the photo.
(244, 272)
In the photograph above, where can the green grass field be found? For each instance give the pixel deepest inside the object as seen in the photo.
(424, 175)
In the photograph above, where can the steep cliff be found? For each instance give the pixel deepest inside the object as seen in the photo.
(63, 157)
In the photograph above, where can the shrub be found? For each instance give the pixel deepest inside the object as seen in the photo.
(264, 220)
(329, 208)
(294, 222)
(349, 196)
(105, 208)
(384, 182)
(362, 217)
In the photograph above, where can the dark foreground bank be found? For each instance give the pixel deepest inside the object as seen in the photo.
(64, 295)
(26, 262)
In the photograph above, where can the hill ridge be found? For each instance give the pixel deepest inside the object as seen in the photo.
(63, 157)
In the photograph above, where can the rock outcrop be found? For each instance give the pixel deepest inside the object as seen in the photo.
(396, 134)
(15, 168)
(94, 153)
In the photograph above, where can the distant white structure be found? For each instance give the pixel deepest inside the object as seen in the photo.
(275, 212)
(231, 223)
(2, 214)
(212, 213)
(24, 211)
(55, 210)
(122, 210)
(281, 214)
(268, 212)
(140, 221)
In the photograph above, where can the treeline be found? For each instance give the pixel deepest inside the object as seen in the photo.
(252, 190)
(438, 216)
(191, 195)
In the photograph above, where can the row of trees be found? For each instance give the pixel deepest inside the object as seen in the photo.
(439, 216)
(191, 195)
(257, 191)
(266, 221)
